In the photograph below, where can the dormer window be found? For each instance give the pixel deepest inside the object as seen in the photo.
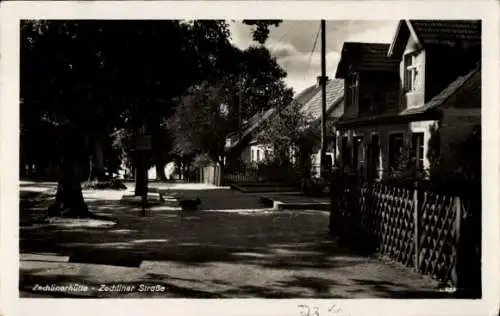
(352, 87)
(411, 72)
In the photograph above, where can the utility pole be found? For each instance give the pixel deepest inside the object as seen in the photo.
(323, 98)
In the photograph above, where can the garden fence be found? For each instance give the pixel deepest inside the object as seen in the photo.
(436, 234)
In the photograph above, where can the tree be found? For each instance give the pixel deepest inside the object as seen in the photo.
(289, 129)
(97, 81)
(202, 121)
(55, 90)
(84, 81)
(260, 31)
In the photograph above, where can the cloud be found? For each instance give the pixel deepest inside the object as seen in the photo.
(382, 34)
(241, 36)
(307, 63)
(293, 41)
(282, 50)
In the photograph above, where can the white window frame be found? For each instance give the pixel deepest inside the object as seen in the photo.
(420, 160)
(411, 72)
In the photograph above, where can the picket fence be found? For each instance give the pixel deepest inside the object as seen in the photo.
(245, 174)
(417, 228)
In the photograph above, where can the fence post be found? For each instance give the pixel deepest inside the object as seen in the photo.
(416, 225)
(458, 222)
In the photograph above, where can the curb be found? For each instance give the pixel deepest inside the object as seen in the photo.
(280, 205)
(263, 189)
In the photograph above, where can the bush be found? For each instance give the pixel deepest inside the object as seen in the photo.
(114, 184)
(316, 187)
(201, 161)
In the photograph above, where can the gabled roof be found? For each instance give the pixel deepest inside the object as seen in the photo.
(430, 108)
(367, 56)
(309, 98)
(248, 128)
(334, 96)
(446, 93)
(429, 32)
(305, 95)
(234, 139)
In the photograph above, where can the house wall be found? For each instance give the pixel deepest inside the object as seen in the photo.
(417, 97)
(245, 155)
(384, 132)
(350, 110)
(261, 149)
(379, 89)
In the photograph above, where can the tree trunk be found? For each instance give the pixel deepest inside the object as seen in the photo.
(160, 171)
(97, 166)
(141, 175)
(69, 198)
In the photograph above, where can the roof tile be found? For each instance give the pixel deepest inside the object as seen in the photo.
(334, 92)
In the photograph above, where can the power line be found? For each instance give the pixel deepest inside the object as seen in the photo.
(279, 41)
(312, 51)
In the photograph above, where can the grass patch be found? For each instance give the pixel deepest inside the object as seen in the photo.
(114, 184)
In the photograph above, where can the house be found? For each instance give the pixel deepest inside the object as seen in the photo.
(244, 146)
(240, 145)
(310, 101)
(334, 110)
(417, 97)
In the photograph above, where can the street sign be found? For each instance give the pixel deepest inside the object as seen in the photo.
(143, 143)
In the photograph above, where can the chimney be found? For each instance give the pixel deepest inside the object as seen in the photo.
(318, 80)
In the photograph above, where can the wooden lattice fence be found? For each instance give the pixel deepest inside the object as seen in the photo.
(386, 214)
(417, 228)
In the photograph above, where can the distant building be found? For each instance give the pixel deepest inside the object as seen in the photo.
(245, 146)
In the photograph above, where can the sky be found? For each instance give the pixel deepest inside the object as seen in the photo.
(292, 44)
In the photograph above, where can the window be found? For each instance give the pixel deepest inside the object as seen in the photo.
(417, 150)
(224, 109)
(352, 87)
(252, 155)
(411, 72)
(258, 155)
(396, 145)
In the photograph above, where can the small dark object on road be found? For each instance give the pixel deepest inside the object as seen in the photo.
(190, 204)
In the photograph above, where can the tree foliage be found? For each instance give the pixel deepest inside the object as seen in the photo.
(211, 110)
(98, 82)
(288, 128)
(261, 28)
(202, 120)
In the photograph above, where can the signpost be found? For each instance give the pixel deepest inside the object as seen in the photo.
(141, 146)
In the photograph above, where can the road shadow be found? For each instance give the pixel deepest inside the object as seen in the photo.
(228, 231)
(396, 290)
